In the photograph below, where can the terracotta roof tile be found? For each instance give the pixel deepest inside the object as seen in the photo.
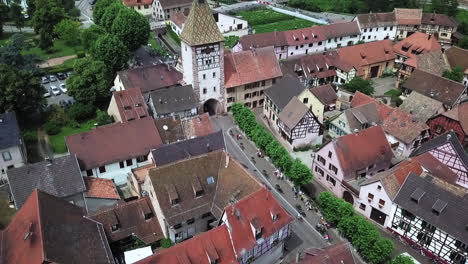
(367, 53)
(334, 254)
(250, 66)
(136, 217)
(141, 172)
(137, 2)
(263, 40)
(460, 114)
(407, 16)
(115, 142)
(150, 78)
(341, 29)
(304, 36)
(130, 104)
(438, 19)
(100, 188)
(416, 44)
(312, 64)
(403, 126)
(377, 20)
(256, 209)
(361, 99)
(183, 129)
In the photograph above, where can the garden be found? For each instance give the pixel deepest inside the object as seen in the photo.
(295, 170)
(266, 20)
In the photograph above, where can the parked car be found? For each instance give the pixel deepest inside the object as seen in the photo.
(44, 80)
(52, 78)
(47, 94)
(61, 76)
(63, 88)
(55, 90)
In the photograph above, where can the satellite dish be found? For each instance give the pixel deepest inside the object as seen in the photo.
(165, 127)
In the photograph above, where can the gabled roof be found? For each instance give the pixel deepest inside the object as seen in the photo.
(323, 64)
(367, 53)
(408, 16)
(174, 130)
(340, 253)
(166, 4)
(200, 27)
(403, 126)
(174, 99)
(130, 104)
(115, 142)
(415, 44)
(48, 229)
(436, 168)
(360, 150)
(150, 78)
(130, 217)
(100, 188)
(326, 94)
(250, 66)
(434, 62)
(340, 29)
(371, 20)
(263, 40)
(439, 88)
(293, 113)
(256, 210)
(435, 191)
(361, 99)
(221, 179)
(170, 153)
(283, 90)
(457, 57)
(362, 116)
(421, 107)
(60, 177)
(438, 19)
(304, 36)
(460, 114)
(137, 2)
(9, 130)
(213, 245)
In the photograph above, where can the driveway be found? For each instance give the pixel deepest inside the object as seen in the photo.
(382, 85)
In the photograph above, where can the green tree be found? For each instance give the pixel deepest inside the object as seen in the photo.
(132, 28)
(100, 8)
(69, 31)
(381, 251)
(112, 52)
(90, 35)
(333, 208)
(20, 91)
(300, 174)
(90, 81)
(402, 259)
(3, 16)
(110, 14)
(11, 54)
(463, 43)
(31, 7)
(15, 14)
(103, 118)
(48, 14)
(456, 74)
(361, 85)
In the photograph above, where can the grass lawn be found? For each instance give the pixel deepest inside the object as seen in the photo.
(6, 35)
(266, 20)
(60, 49)
(172, 34)
(231, 41)
(58, 141)
(156, 46)
(393, 93)
(283, 25)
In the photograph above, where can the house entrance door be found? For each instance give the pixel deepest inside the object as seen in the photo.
(374, 71)
(378, 216)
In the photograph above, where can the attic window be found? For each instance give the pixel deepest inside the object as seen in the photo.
(274, 216)
(199, 193)
(304, 36)
(127, 107)
(438, 207)
(313, 35)
(295, 38)
(417, 195)
(149, 215)
(172, 192)
(115, 227)
(137, 105)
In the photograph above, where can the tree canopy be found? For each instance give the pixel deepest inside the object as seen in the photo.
(402, 259)
(100, 8)
(111, 51)
(48, 14)
(361, 85)
(90, 35)
(456, 74)
(69, 31)
(110, 15)
(11, 54)
(132, 28)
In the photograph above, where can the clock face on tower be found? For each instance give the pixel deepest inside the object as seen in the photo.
(207, 56)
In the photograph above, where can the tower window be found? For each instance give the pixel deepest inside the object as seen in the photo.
(204, 76)
(204, 90)
(214, 74)
(214, 88)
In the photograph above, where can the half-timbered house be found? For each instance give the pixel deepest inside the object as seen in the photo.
(455, 119)
(298, 125)
(431, 214)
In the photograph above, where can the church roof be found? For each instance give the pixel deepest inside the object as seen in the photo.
(200, 27)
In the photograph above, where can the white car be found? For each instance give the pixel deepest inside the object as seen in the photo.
(52, 78)
(63, 88)
(55, 90)
(47, 94)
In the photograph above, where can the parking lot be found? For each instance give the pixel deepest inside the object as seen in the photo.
(56, 99)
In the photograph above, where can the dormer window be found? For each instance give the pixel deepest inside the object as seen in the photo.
(115, 227)
(197, 188)
(137, 105)
(199, 193)
(258, 233)
(172, 192)
(149, 215)
(274, 216)
(174, 201)
(127, 107)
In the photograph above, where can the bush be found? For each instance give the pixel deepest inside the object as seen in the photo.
(81, 112)
(166, 243)
(52, 128)
(102, 118)
(80, 54)
(402, 259)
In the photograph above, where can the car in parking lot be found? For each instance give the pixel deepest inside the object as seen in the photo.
(47, 94)
(63, 88)
(61, 76)
(52, 78)
(55, 90)
(44, 80)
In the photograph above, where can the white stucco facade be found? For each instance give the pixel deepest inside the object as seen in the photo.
(374, 197)
(12, 157)
(378, 33)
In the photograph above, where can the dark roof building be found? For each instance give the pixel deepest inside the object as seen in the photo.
(403, 126)
(174, 130)
(421, 107)
(149, 78)
(362, 116)
(49, 230)
(173, 100)
(293, 113)
(9, 131)
(283, 90)
(408, 16)
(60, 177)
(458, 57)
(372, 20)
(326, 94)
(340, 253)
(438, 20)
(340, 29)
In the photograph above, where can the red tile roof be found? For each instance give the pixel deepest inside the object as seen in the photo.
(438, 19)
(130, 104)
(360, 150)
(213, 245)
(436, 168)
(403, 126)
(460, 114)
(367, 54)
(137, 2)
(304, 36)
(405, 168)
(100, 188)
(250, 66)
(255, 209)
(312, 63)
(141, 172)
(407, 16)
(263, 40)
(339, 253)
(416, 44)
(362, 99)
(112, 143)
(150, 78)
(340, 29)
(131, 219)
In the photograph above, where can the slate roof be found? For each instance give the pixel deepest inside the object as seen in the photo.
(174, 152)
(434, 190)
(421, 107)
(173, 130)
(283, 90)
(150, 78)
(460, 114)
(326, 94)
(255, 209)
(10, 134)
(212, 245)
(367, 53)
(100, 188)
(366, 114)
(221, 178)
(250, 66)
(49, 229)
(438, 19)
(408, 16)
(130, 217)
(417, 43)
(457, 57)
(371, 20)
(433, 62)
(293, 113)
(174, 99)
(60, 177)
(441, 89)
(115, 142)
(403, 126)
(333, 254)
(360, 150)
(200, 27)
(174, 3)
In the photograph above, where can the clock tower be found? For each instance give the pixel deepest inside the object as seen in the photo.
(203, 57)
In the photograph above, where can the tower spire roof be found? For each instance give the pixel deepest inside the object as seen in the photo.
(200, 27)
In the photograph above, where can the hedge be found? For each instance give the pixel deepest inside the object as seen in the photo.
(295, 170)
